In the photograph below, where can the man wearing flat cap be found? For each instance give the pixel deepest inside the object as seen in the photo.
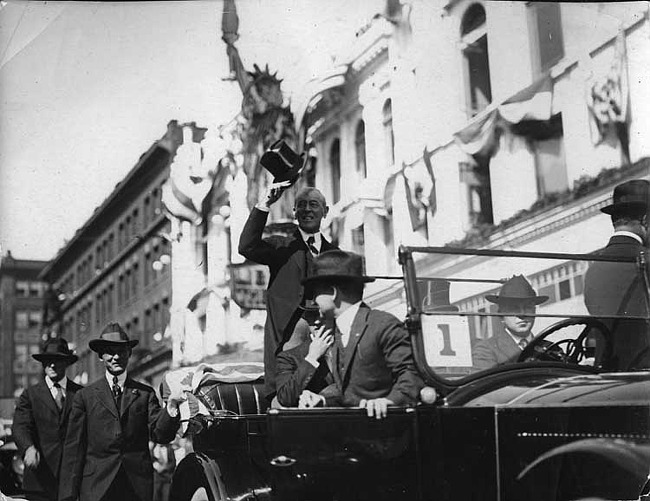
(517, 302)
(289, 258)
(617, 289)
(41, 418)
(106, 454)
(371, 356)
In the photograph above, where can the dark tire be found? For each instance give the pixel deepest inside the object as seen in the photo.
(197, 478)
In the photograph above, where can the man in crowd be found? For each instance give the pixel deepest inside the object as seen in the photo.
(40, 421)
(106, 454)
(372, 361)
(517, 302)
(618, 288)
(289, 259)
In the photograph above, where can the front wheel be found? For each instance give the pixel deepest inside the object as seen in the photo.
(197, 478)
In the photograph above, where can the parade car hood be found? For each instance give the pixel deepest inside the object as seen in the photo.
(631, 388)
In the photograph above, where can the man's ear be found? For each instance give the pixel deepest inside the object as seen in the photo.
(326, 211)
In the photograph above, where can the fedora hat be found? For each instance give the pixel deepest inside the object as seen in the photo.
(336, 266)
(282, 162)
(113, 335)
(517, 289)
(629, 196)
(55, 348)
(434, 295)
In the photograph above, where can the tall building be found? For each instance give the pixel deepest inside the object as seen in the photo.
(117, 268)
(500, 125)
(22, 296)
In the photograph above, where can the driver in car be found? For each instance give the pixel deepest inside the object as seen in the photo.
(517, 302)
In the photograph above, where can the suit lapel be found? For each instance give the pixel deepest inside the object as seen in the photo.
(129, 396)
(508, 347)
(104, 395)
(46, 396)
(358, 329)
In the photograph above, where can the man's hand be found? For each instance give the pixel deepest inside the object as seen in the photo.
(309, 399)
(175, 398)
(273, 193)
(321, 339)
(32, 457)
(377, 407)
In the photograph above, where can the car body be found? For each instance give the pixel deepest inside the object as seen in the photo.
(549, 427)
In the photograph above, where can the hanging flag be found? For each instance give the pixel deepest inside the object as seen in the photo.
(607, 94)
(433, 200)
(389, 191)
(532, 103)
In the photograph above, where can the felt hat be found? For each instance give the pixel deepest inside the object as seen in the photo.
(113, 335)
(434, 295)
(632, 195)
(517, 289)
(282, 162)
(55, 348)
(337, 266)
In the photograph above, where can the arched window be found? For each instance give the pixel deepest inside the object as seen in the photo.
(335, 167)
(475, 56)
(389, 137)
(360, 148)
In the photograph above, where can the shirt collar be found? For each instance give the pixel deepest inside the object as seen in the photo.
(120, 379)
(50, 384)
(516, 339)
(345, 319)
(317, 237)
(623, 233)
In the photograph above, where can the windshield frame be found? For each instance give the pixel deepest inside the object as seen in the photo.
(414, 314)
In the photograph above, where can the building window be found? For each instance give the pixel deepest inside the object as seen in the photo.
(22, 289)
(546, 141)
(360, 148)
(335, 166)
(22, 319)
(358, 240)
(134, 282)
(475, 178)
(545, 23)
(389, 136)
(34, 319)
(474, 45)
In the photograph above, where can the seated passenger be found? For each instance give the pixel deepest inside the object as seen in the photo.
(372, 358)
(302, 365)
(517, 301)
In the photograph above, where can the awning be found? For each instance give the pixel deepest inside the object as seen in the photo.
(335, 77)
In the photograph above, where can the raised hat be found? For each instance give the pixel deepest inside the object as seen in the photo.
(517, 289)
(282, 162)
(632, 195)
(434, 295)
(113, 335)
(336, 266)
(55, 348)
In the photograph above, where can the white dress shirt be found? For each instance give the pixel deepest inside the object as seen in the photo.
(50, 384)
(344, 322)
(318, 239)
(121, 378)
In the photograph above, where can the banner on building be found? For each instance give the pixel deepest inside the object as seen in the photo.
(607, 94)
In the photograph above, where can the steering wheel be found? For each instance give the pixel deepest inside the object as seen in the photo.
(566, 350)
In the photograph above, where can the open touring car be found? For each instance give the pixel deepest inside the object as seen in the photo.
(564, 421)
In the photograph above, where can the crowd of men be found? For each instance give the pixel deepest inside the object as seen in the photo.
(323, 346)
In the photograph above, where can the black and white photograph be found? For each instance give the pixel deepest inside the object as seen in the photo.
(324, 250)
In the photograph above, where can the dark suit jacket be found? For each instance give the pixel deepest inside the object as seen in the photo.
(617, 289)
(498, 350)
(100, 440)
(377, 362)
(38, 422)
(295, 374)
(289, 262)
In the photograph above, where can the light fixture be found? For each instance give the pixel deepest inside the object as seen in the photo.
(157, 265)
(165, 259)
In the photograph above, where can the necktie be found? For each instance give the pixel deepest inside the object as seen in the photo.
(523, 343)
(58, 395)
(117, 391)
(312, 248)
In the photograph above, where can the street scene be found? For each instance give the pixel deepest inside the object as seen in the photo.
(324, 250)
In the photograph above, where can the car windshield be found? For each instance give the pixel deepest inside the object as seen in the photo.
(480, 310)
